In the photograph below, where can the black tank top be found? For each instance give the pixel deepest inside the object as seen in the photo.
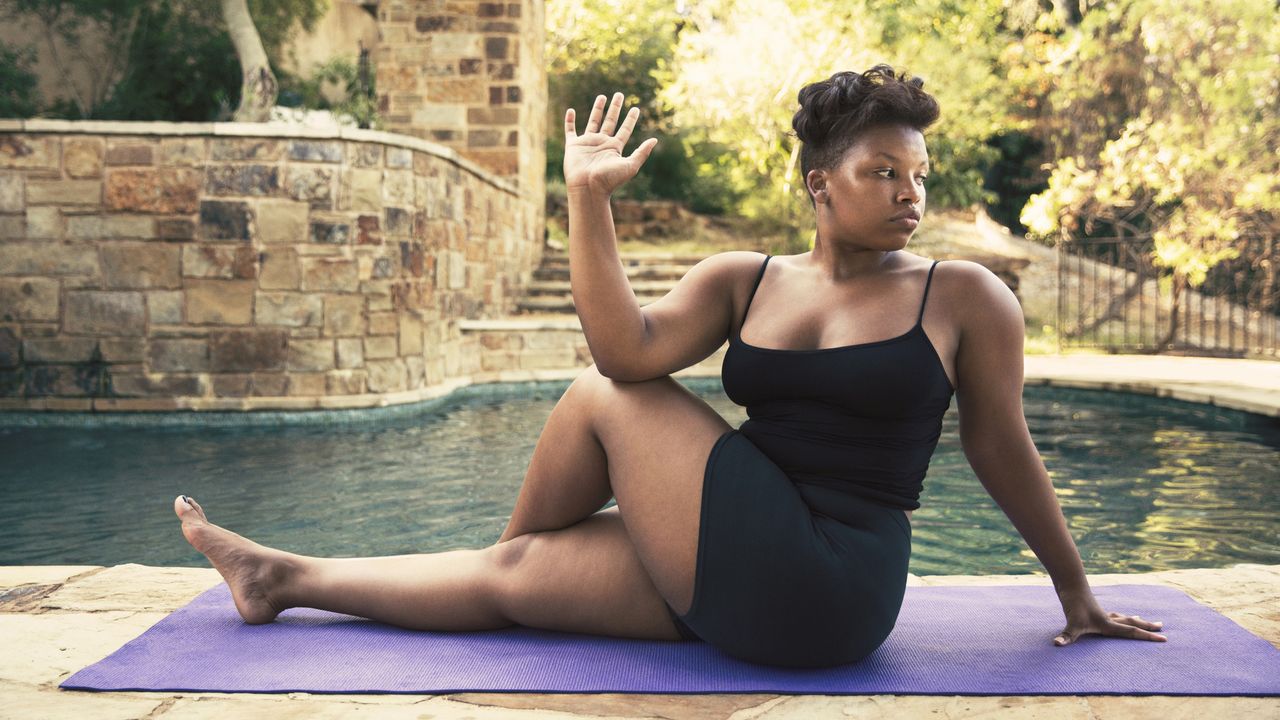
(859, 419)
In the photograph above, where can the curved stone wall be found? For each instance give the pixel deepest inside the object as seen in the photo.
(156, 266)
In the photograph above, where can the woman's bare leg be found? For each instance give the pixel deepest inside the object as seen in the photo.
(595, 575)
(440, 591)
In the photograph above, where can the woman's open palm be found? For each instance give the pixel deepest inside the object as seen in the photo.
(593, 160)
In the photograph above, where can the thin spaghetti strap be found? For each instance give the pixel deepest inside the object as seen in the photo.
(924, 299)
(752, 296)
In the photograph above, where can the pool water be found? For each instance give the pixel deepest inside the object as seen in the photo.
(1146, 483)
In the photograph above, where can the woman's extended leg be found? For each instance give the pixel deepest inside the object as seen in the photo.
(596, 575)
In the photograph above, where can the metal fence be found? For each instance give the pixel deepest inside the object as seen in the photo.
(1111, 295)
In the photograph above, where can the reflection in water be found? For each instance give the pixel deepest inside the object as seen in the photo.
(1146, 484)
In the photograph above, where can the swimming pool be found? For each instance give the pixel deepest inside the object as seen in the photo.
(1146, 483)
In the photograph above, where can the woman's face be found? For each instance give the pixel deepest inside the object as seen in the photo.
(881, 175)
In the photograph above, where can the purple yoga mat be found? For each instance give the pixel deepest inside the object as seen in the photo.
(995, 640)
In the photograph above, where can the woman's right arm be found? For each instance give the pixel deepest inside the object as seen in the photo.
(628, 342)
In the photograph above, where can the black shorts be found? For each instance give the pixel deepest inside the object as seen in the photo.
(779, 582)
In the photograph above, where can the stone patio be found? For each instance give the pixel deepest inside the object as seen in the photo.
(57, 620)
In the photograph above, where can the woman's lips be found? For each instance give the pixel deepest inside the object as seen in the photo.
(906, 222)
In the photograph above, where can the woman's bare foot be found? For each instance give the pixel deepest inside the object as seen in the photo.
(256, 574)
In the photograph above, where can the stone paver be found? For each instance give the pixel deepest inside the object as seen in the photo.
(85, 613)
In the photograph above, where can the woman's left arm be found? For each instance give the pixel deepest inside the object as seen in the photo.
(999, 448)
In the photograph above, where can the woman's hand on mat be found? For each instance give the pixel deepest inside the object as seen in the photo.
(593, 160)
(1086, 617)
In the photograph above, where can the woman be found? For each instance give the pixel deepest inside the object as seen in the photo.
(784, 541)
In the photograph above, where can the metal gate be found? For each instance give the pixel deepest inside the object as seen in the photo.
(1111, 296)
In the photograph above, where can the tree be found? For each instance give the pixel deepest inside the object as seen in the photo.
(259, 87)
(1168, 117)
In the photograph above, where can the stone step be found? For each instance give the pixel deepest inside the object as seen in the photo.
(563, 287)
(633, 259)
(563, 303)
(670, 272)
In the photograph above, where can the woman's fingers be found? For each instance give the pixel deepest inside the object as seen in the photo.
(597, 111)
(611, 118)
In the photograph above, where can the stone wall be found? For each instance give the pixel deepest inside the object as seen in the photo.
(470, 75)
(153, 266)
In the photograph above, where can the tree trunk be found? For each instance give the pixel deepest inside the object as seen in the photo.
(258, 88)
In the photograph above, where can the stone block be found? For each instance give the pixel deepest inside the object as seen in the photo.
(23, 152)
(43, 223)
(242, 180)
(128, 350)
(219, 302)
(28, 299)
(181, 151)
(207, 260)
(379, 348)
(260, 149)
(398, 221)
(457, 271)
(154, 190)
(361, 154)
(415, 368)
(165, 307)
(383, 323)
(282, 221)
(399, 158)
(178, 355)
(175, 229)
(368, 231)
(327, 274)
(440, 115)
(269, 385)
(386, 376)
(11, 349)
(231, 385)
(413, 258)
(361, 191)
(66, 381)
(312, 185)
(92, 312)
(326, 151)
(397, 188)
(280, 269)
(472, 89)
(64, 192)
(343, 315)
(383, 267)
(225, 220)
(307, 384)
(345, 382)
(140, 265)
(350, 352)
(13, 192)
(330, 232)
(288, 309)
(310, 355)
(104, 227)
(410, 335)
(126, 383)
(257, 350)
(128, 153)
(58, 350)
(457, 45)
(48, 258)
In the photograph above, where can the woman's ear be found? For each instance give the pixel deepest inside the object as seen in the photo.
(816, 181)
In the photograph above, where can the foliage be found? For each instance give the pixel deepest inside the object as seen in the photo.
(17, 83)
(340, 76)
(602, 48)
(1181, 150)
(164, 60)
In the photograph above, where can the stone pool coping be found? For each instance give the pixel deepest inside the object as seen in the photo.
(59, 619)
(1251, 386)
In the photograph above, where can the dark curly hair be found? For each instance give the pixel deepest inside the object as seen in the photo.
(833, 112)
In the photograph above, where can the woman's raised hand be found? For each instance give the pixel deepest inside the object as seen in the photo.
(593, 161)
